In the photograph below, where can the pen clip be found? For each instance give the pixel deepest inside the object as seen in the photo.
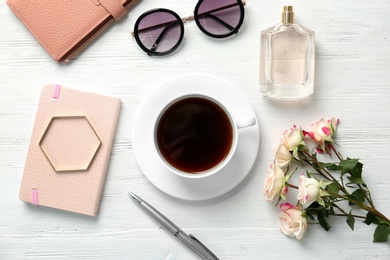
(202, 245)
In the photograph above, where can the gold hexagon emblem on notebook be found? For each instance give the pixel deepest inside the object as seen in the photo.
(70, 143)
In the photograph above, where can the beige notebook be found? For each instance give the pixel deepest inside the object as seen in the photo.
(69, 150)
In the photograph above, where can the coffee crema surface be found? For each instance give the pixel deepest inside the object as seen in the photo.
(194, 134)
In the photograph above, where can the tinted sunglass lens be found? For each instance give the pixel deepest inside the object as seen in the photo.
(159, 32)
(219, 18)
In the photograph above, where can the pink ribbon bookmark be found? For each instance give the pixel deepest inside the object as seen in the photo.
(34, 199)
(56, 94)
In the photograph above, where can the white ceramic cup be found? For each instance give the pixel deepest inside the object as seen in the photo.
(235, 125)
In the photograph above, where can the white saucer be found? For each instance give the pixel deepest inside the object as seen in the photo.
(200, 188)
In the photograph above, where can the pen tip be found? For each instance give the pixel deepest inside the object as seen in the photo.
(135, 197)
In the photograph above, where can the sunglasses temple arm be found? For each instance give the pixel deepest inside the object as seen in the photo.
(223, 8)
(167, 24)
(219, 20)
(191, 17)
(163, 32)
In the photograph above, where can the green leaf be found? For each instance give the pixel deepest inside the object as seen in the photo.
(371, 218)
(323, 193)
(382, 233)
(357, 170)
(331, 166)
(354, 199)
(356, 180)
(315, 205)
(302, 146)
(295, 154)
(321, 201)
(360, 195)
(324, 183)
(347, 165)
(333, 187)
(309, 215)
(354, 168)
(321, 216)
(351, 220)
(331, 210)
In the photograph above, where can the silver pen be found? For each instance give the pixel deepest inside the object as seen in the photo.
(189, 240)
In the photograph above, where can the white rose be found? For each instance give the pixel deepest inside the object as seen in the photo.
(283, 156)
(292, 138)
(308, 190)
(273, 182)
(291, 222)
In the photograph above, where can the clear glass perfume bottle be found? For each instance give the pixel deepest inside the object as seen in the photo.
(287, 55)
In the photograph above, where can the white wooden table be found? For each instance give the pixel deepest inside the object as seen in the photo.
(352, 83)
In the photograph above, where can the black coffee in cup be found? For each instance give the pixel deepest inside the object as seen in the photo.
(194, 134)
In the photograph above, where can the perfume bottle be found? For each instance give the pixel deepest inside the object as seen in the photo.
(287, 56)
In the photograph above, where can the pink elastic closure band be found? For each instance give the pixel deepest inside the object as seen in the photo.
(56, 94)
(34, 198)
(114, 7)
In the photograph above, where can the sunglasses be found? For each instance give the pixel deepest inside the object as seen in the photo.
(160, 31)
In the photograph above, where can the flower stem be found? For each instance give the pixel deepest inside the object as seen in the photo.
(368, 193)
(346, 215)
(336, 152)
(320, 169)
(339, 208)
(291, 186)
(363, 206)
(310, 160)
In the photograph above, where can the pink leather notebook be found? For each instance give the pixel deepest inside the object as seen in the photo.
(64, 27)
(69, 150)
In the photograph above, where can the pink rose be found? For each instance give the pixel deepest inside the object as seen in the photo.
(308, 190)
(273, 182)
(283, 156)
(323, 131)
(292, 223)
(292, 138)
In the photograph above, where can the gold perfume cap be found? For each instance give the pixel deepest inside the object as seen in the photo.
(288, 14)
